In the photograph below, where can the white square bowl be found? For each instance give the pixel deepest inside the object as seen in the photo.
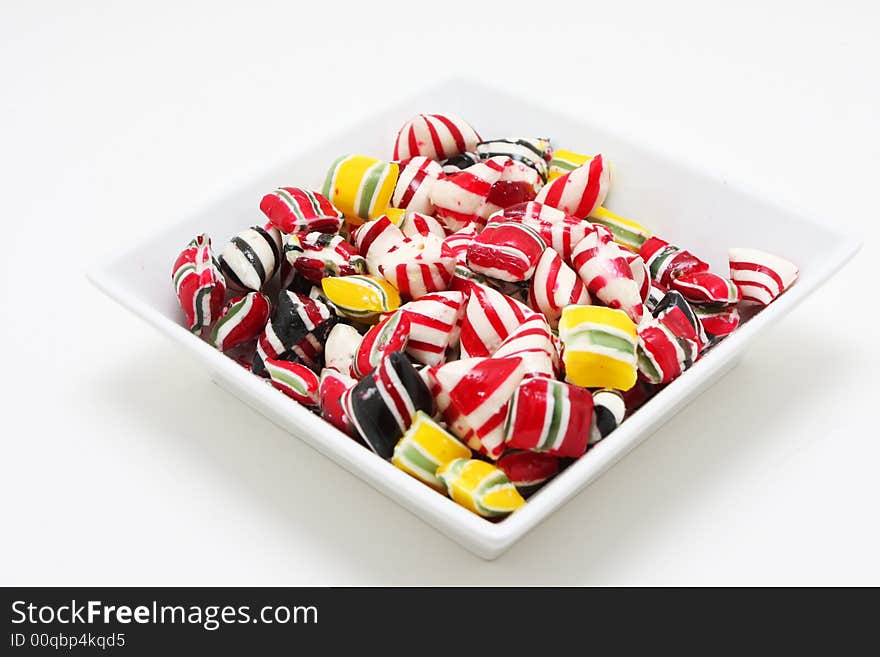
(684, 206)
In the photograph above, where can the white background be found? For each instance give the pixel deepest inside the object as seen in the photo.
(123, 464)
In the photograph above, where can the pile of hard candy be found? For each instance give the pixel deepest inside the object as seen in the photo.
(470, 310)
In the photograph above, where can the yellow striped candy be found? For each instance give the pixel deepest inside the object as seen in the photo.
(626, 232)
(564, 161)
(600, 347)
(480, 487)
(360, 186)
(425, 447)
(361, 297)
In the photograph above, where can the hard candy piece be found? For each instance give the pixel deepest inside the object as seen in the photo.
(626, 232)
(663, 355)
(434, 321)
(760, 276)
(656, 292)
(360, 186)
(533, 152)
(297, 210)
(529, 470)
(554, 286)
(549, 416)
(320, 255)
(666, 262)
(559, 231)
(564, 161)
(332, 389)
(533, 343)
(413, 190)
(679, 316)
(437, 136)
(473, 395)
(603, 267)
(242, 319)
(489, 318)
(459, 162)
(609, 410)
(640, 273)
(296, 331)
(389, 335)
(480, 487)
(342, 344)
(416, 224)
(506, 250)
(375, 239)
(462, 198)
(599, 347)
(383, 404)
(199, 284)
(707, 287)
(251, 258)
(580, 191)
(419, 265)
(717, 322)
(460, 242)
(296, 381)
(519, 183)
(361, 297)
(425, 447)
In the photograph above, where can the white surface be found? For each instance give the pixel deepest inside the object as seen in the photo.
(715, 215)
(124, 464)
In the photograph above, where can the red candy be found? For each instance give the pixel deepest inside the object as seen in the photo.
(667, 262)
(386, 337)
(507, 251)
(528, 470)
(199, 284)
(297, 210)
(707, 287)
(243, 319)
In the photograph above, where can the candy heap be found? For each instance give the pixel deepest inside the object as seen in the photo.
(469, 310)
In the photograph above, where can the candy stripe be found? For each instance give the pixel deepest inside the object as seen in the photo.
(580, 191)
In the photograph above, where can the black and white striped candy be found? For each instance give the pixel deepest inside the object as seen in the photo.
(608, 411)
(251, 258)
(531, 152)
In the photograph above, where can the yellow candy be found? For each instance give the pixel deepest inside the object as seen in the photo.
(425, 447)
(600, 347)
(564, 161)
(480, 487)
(394, 214)
(360, 186)
(360, 296)
(626, 232)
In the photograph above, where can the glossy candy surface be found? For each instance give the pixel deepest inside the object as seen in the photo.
(480, 487)
(506, 251)
(296, 381)
(318, 255)
(414, 182)
(599, 347)
(298, 210)
(361, 297)
(554, 286)
(760, 276)
(580, 191)
(603, 267)
(360, 186)
(667, 262)
(242, 320)
(251, 258)
(437, 136)
(426, 447)
(199, 284)
(528, 470)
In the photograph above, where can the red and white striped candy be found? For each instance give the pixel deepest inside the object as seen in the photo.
(375, 239)
(602, 265)
(242, 319)
(418, 266)
(199, 284)
(413, 190)
(417, 224)
(489, 318)
(666, 261)
(560, 231)
(640, 272)
(519, 183)
(434, 325)
(550, 416)
(580, 191)
(507, 251)
(663, 355)
(317, 255)
(760, 276)
(707, 287)
(718, 322)
(461, 198)
(473, 394)
(297, 210)
(533, 343)
(437, 136)
(296, 381)
(389, 335)
(554, 286)
(332, 387)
